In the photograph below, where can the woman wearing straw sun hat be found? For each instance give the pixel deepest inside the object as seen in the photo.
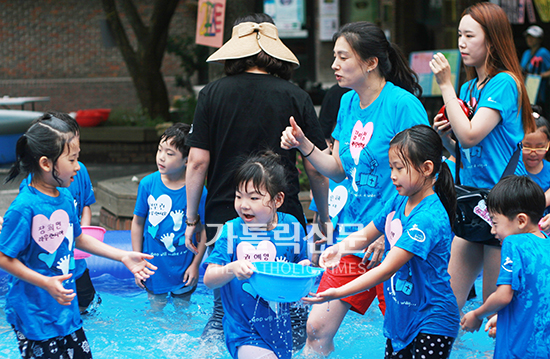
(536, 60)
(243, 113)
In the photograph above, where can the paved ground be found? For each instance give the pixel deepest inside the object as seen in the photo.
(98, 172)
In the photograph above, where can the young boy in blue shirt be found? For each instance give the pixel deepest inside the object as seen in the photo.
(522, 298)
(159, 223)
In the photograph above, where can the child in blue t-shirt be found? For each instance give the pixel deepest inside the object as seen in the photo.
(421, 309)
(254, 328)
(82, 192)
(522, 298)
(535, 148)
(159, 224)
(37, 242)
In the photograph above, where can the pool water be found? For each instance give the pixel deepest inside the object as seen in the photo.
(124, 327)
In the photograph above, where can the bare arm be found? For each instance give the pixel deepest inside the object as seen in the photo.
(471, 321)
(191, 275)
(195, 175)
(86, 219)
(469, 133)
(217, 276)
(395, 259)
(138, 224)
(53, 285)
(328, 165)
(319, 188)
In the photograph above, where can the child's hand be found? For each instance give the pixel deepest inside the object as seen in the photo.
(54, 286)
(139, 282)
(242, 269)
(491, 326)
(304, 262)
(318, 298)
(191, 276)
(330, 257)
(470, 322)
(136, 263)
(544, 223)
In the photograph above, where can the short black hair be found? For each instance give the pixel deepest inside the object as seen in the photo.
(513, 195)
(176, 135)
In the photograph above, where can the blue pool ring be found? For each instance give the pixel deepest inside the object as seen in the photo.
(99, 266)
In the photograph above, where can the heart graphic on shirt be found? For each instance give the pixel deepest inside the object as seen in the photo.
(265, 251)
(47, 258)
(49, 233)
(360, 137)
(394, 229)
(337, 199)
(158, 208)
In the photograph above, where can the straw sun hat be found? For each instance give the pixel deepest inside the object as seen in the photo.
(249, 38)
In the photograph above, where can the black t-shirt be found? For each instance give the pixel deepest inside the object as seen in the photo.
(329, 109)
(243, 114)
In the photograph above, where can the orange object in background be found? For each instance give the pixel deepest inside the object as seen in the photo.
(93, 117)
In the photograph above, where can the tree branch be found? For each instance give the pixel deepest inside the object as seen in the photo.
(134, 18)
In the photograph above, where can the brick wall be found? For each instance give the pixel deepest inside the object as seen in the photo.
(54, 48)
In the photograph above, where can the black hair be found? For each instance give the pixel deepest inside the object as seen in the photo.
(540, 121)
(176, 135)
(264, 170)
(513, 195)
(367, 40)
(262, 60)
(419, 144)
(48, 136)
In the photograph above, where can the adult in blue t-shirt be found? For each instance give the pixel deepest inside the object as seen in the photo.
(249, 319)
(487, 138)
(381, 104)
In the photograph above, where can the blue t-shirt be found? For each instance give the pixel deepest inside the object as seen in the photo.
(164, 232)
(83, 194)
(40, 231)
(337, 198)
(364, 137)
(483, 164)
(537, 64)
(418, 296)
(248, 319)
(543, 177)
(523, 326)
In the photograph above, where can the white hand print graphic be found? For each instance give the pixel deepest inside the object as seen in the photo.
(168, 241)
(177, 217)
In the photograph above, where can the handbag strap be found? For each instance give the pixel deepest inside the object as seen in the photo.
(510, 167)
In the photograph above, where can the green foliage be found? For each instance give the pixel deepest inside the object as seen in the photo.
(192, 59)
(183, 109)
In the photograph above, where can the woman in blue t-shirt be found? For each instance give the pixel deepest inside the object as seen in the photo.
(502, 113)
(381, 104)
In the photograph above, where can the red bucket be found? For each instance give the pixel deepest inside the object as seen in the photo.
(94, 231)
(91, 118)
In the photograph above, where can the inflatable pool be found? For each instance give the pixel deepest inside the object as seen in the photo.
(13, 123)
(125, 326)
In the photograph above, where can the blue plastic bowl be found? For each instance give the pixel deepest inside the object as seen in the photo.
(283, 281)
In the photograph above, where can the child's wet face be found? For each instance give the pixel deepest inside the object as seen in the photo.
(169, 159)
(255, 209)
(503, 226)
(67, 164)
(534, 145)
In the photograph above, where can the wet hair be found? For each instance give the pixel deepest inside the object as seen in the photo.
(513, 195)
(367, 40)
(48, 136)
(176, 135)
(501, 53)
(265, 171)
(262, 60)
(419, 144)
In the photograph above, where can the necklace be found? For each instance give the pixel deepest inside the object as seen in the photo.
(484, 81)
